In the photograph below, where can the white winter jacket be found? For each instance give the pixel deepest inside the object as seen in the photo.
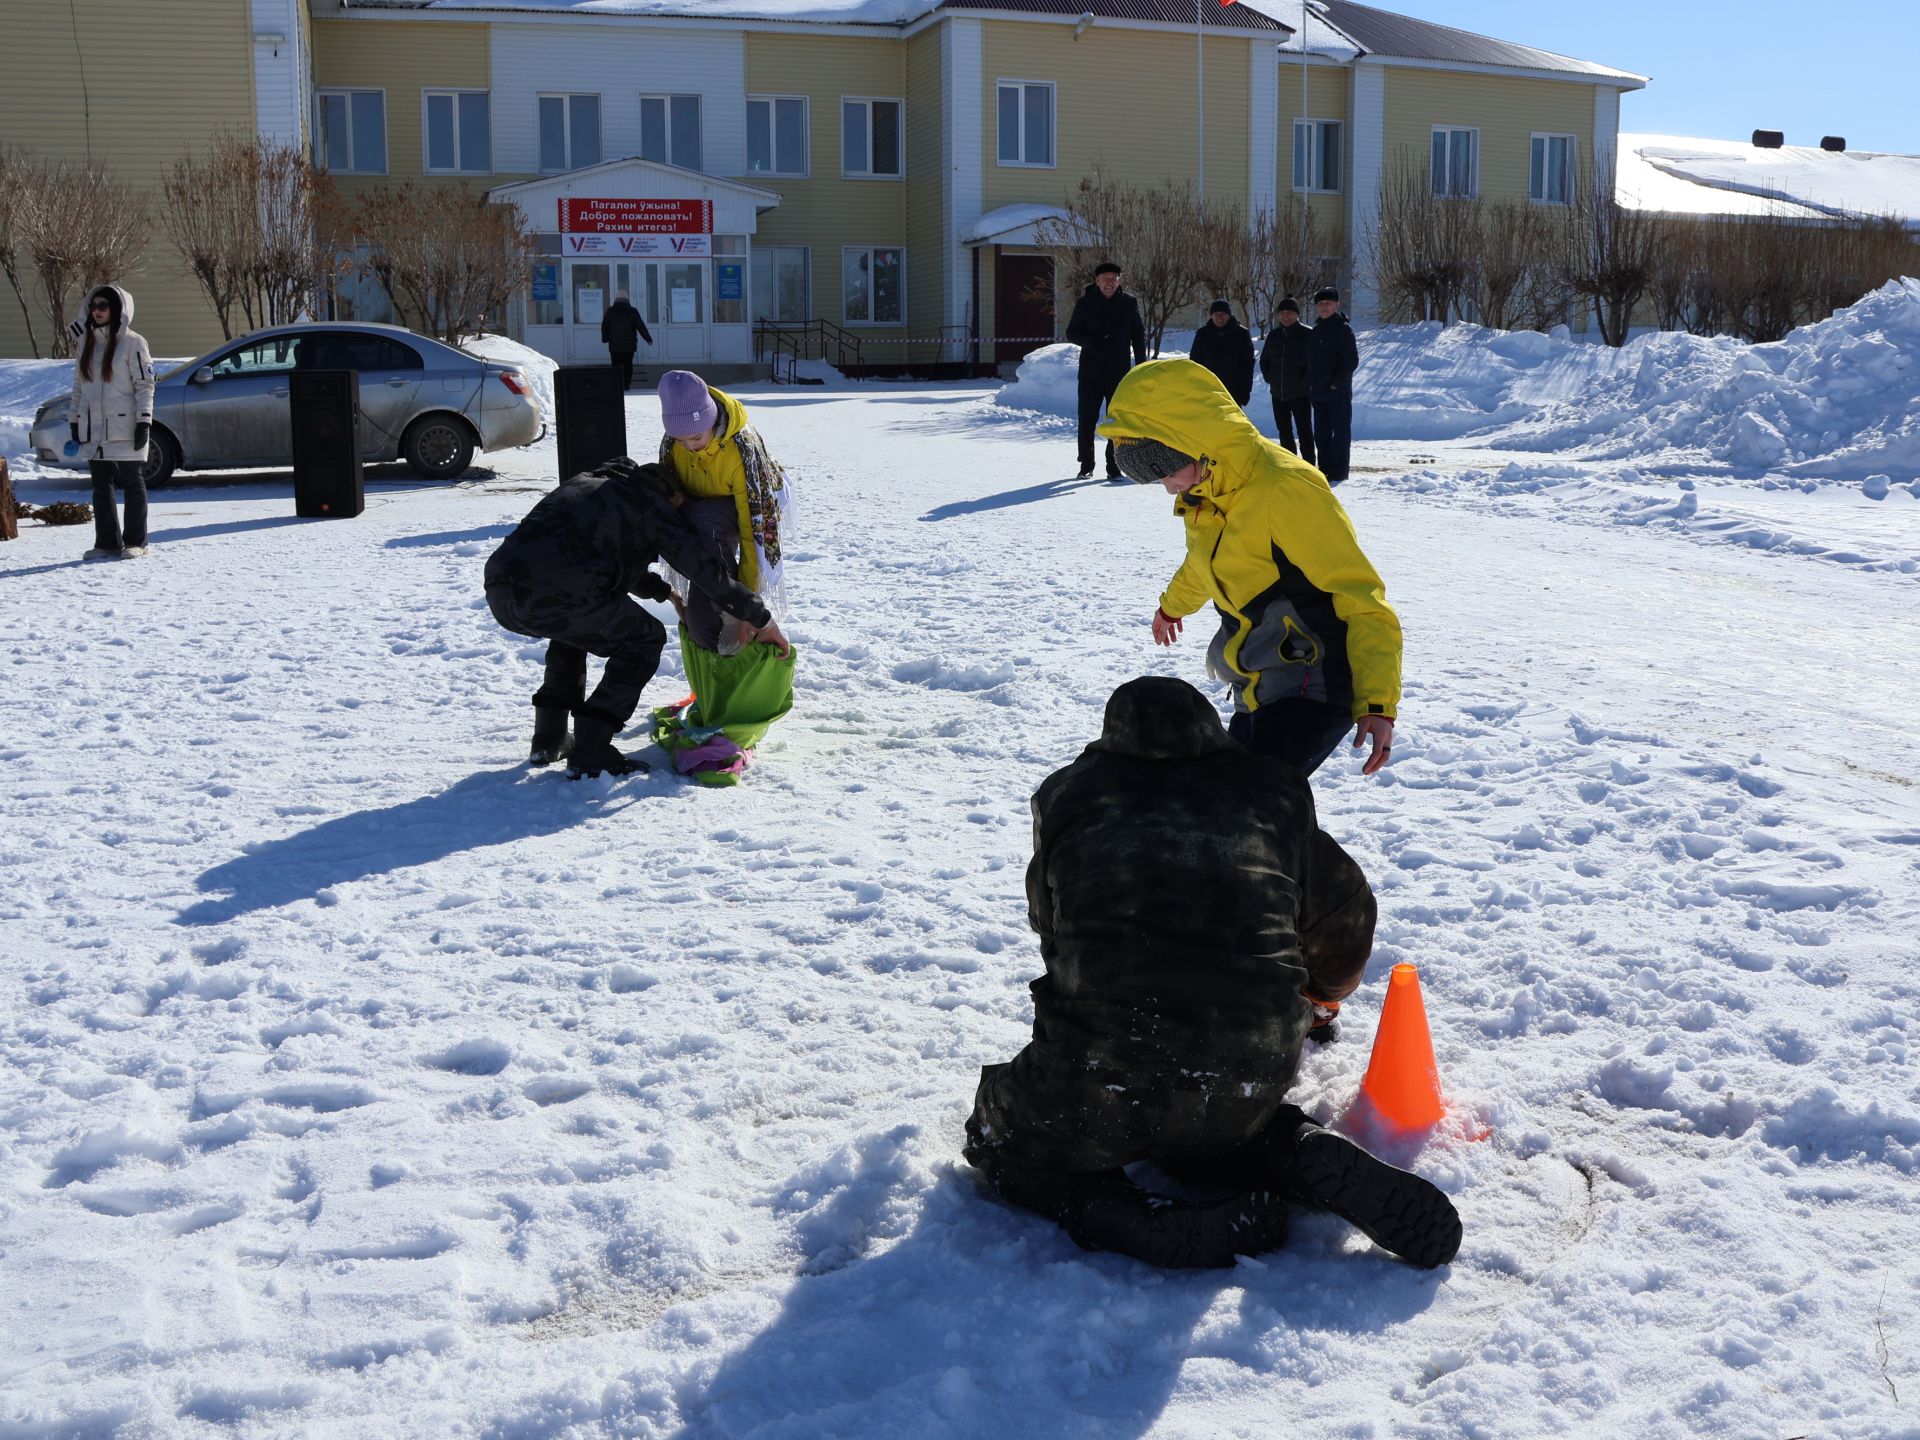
(106, 408)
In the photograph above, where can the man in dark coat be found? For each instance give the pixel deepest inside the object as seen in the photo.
(567, 575)
(1225, 346)
(621, 331)
(1190, 914)
(1332, 357)
(1107, 327)
(1283, 360)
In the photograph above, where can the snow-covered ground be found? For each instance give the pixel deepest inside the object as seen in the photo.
(355, 1080)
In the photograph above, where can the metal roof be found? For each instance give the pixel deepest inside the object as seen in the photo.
(1210, 13)
(1381, 32)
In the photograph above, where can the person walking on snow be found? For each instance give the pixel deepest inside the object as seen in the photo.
(110, 416)
(622, 331)
(1191, 914)
(1107, 327)
(1283, 360)
(1332, 357)
(1306, 638)
(567, 575)
(1225, 346)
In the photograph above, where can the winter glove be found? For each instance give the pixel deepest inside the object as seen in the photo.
(1326, 1015)
(141, 431)
(73, 429)
(654, 587)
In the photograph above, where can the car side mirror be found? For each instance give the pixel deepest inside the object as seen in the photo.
(203, 376)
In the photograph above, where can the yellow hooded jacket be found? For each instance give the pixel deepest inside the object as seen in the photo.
(718, 471)
(1303, 613)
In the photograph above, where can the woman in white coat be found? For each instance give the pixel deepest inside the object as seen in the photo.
(111, 416)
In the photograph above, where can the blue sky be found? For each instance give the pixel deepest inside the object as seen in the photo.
(1726, 68)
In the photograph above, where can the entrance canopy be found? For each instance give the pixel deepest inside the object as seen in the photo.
(1019, 225)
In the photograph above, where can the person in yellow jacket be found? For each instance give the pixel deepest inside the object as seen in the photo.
(1306, 639)
(735, 495)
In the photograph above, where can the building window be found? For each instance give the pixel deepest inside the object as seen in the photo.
(357, 293)
(1317, 149)
(870, 138)
(1026, 122)
(1456, 162)
(780, 284)
(569, 131)
(670, 130)
(459, 132)
(351, 136)
(1551, 175)
(874, 290)
(776, 135)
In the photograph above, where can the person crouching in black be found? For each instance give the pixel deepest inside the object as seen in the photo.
(567, 575)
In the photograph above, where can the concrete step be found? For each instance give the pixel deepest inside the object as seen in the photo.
(647, 377)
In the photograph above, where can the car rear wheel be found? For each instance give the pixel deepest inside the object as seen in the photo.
(438, 447)
(163, 458)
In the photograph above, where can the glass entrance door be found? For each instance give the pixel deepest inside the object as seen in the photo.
(677, 307)
(589, 293)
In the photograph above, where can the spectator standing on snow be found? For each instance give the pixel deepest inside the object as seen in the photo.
(1107, 327)
(621, 331)
(1190, 913)
(1225, 346)
(567, 575)
(1283, 360)
(110, 416)
(1332, 357)
(1306, 638)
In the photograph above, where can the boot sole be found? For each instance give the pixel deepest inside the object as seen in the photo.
(1394, 1208)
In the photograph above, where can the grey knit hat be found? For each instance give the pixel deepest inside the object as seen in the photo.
(1148, 462)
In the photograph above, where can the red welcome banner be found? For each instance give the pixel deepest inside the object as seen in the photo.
(636, 217)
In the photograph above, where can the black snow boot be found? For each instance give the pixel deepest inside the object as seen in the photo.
(593, 752)
(1394, 1208)
(550, 739)
(1110, 1212)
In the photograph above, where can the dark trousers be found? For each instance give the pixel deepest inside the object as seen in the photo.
(1333, 432)
(1096, 389)
(575, 626)
(132, 478)
(1301, 732)
(717, 523)
(623, 362)
(1293, 423)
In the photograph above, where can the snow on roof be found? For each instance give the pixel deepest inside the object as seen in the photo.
(1382, 32)
(831, 12)
(1012, 224)
(1321, 36)
(1679, 175)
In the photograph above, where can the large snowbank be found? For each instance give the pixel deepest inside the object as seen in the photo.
(1840, 398)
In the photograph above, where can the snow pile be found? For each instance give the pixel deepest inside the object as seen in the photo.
(1841, 397)
(1048, 382)
(531, 363)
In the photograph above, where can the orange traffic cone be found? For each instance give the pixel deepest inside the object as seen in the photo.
(1402, 1081)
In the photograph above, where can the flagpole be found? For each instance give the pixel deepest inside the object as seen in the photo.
(1306, 104)
(1200, 94)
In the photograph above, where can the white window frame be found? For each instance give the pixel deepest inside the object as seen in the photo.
(1472, 192)
(868, 250)
(1052, 162)
(868, 102)
(699, 124)
(319, 130)
(1315, 152)
(566, 113)
(1573, 160)
(773, 135)
(460, 167)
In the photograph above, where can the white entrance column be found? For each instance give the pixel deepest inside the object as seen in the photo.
(962, 184)
(1369, 170)
(1263, 134)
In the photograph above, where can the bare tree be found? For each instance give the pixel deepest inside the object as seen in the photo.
(1421, 246)
(209, 212)
(19, 188)
(1151, 232)
(1610, 254)
(1286, 251)
(83, 228)
(1512, 278)
(446, 256)
(1225, 256)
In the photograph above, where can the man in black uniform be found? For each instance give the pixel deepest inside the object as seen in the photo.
(1190, 913)
(567, 575)
(621, 331)
(1225, 346)
(1332, 357)
(1107, 327)
(1283, 360)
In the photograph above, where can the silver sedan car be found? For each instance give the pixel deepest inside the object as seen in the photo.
(420, 401)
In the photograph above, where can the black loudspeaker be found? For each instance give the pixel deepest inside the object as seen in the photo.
(589, 417)
(327, 478)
